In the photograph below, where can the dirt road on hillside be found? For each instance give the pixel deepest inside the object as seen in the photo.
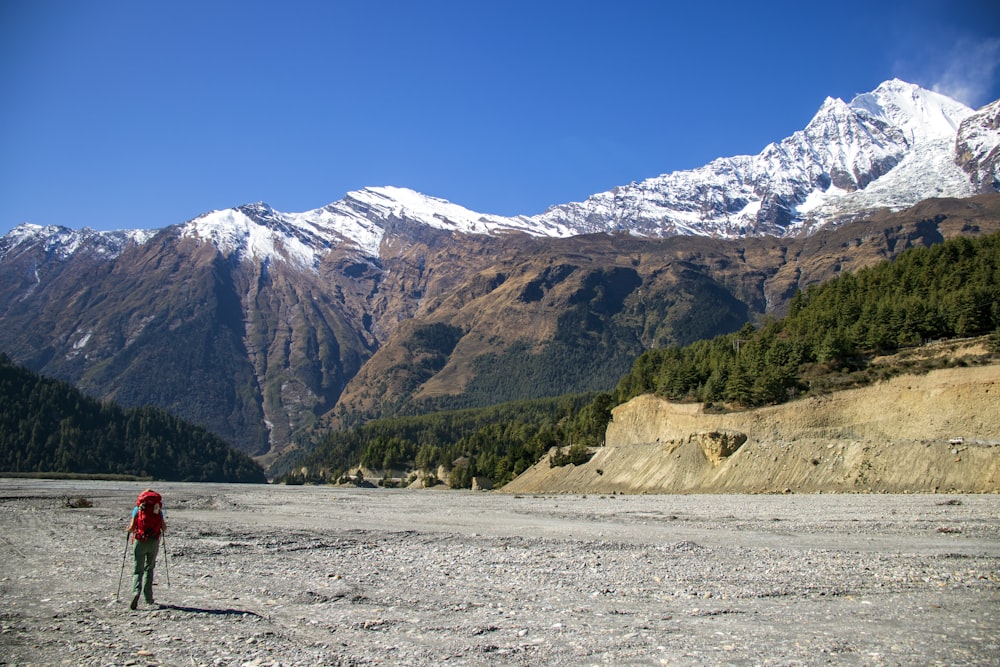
(322, 576)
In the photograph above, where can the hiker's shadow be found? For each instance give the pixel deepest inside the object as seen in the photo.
(211, 612)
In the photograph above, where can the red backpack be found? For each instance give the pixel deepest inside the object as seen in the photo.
(148, 523)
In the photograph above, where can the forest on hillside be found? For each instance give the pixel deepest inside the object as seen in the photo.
(49, 426)
(498, 442)
(949, 290)
(826, 342)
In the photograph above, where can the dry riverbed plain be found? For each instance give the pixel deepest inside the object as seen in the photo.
(273, 575)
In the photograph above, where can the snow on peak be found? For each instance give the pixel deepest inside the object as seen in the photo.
(922, 114)
(901, 151)
(235, 232)
(891, 148)
(832, 106)
(63, 241)
(977, 147)
(383, 203)
(386, 202)
(360, 220)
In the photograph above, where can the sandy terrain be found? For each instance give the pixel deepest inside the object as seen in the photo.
(324, 576)
(890, 437)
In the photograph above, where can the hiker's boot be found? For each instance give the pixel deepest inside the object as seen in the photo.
(135, 601)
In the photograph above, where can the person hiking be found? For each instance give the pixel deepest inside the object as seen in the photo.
(145, 527)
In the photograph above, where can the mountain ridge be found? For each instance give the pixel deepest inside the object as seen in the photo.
(816, 176)
(262, 325)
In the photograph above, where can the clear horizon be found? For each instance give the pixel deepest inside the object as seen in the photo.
(122, 115)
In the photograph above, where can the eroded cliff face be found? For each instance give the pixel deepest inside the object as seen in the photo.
(897, 436)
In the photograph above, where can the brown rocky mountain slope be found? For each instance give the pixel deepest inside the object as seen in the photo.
(610, 297)
(897, 436)
(257, 351)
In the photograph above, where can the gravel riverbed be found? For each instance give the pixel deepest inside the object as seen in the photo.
(272, 575)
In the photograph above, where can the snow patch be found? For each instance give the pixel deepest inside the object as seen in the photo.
(818, 198)
(235, 233)
(82, 342)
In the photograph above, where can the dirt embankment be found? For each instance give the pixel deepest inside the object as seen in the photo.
(897, 436)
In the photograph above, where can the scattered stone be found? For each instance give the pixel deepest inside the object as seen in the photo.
(298, 576)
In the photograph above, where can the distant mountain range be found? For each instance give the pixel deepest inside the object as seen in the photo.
(890, 148)
(261, 324)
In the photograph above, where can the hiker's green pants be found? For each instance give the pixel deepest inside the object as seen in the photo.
(145, 561)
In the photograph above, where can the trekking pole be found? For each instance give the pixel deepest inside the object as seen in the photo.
(122, 575)
(166, 558)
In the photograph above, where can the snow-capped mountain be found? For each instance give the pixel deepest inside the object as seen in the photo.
(258, 323)
(361, 218)
(889, 148)
(977, 148)
(63, 242)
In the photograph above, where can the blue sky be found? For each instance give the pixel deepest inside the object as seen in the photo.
(139, 114)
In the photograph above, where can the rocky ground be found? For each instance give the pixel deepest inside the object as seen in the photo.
(324, 576)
